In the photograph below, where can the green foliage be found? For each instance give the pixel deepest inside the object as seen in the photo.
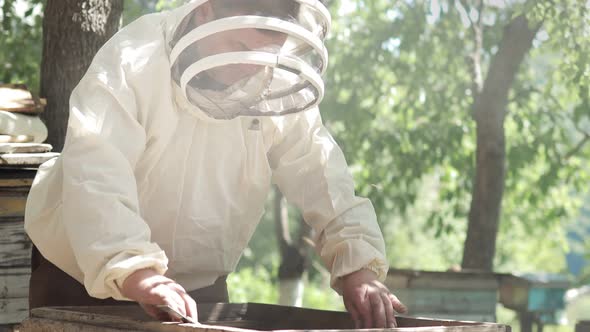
(21, 40)
(321, 296)
(567, 25)
(168, 4)
(136, 8)
(399, 98)
(252, 285)
(257, 284)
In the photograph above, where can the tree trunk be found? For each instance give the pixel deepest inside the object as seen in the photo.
(489, 112)
(73, 31)
(294, 255)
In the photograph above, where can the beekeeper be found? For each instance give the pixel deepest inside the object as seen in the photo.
(176, 133)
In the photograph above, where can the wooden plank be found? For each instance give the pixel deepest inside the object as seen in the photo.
(13, 310)
(26, 159)
(16, 183)
(514, 293)
(397, 281)
(399, 278)
(9, 328)
(583, 326)
(14, 282)
(16, 254)
(457, 316)
(12, 204)
(16, 139)
(48, 325)
(254, 317)
(15, 245)
(455, 283)
(10, 178)
(463, 295)
(18, 98)
(445, 301)
(24, 148)
(15, 190)
(546, 299)
(13, 231)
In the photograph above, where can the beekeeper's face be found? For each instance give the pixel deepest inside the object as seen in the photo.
(232, 41)
(251, 57)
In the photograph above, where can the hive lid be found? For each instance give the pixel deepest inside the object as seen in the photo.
(18, 98)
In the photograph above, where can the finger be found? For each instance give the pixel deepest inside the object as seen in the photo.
(176, 301)
(389, 313)
(154, 312)
(353, 313)
(176, 287)
(190, 307)
(378, 310)
(398, 306)
(363, 305)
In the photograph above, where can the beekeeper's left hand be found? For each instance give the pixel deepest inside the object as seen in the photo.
(369, 302)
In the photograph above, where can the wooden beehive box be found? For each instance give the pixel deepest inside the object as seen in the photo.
(542, 294)
(15, 246)
(223, 317)
(466, 295)
(583, 326)
(17, 98)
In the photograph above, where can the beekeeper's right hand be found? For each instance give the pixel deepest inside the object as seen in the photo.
(149, 289)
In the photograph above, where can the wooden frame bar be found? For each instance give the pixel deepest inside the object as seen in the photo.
(224, 317)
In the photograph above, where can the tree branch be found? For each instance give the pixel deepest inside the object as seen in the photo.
(476, 57)
(577, 148)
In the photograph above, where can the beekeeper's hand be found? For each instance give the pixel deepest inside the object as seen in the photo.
(149, 289)
(368, 301)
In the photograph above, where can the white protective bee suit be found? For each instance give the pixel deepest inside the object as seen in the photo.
(150, 178)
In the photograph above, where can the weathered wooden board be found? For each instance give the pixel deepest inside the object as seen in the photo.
(583, 326)
(229, 318)
(465, 295)
(16, 183)
(524, 293)
(13, 310)
(446, 301)
(16, 139)
(48, 325)
(15, 246)
(403, 278)
(16, 178)
(453, 316)
(14, 282)
(18, 98)
(24, 148)
(26, 159)
(9, 328)
(12, 204)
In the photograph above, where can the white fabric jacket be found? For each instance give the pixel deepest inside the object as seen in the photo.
(144, 181)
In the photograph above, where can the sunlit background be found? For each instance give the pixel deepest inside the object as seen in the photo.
(400, 95)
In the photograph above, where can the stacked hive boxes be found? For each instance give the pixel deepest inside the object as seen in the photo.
(19, 115)
(15, 247)
(461, 295)
(21, 152)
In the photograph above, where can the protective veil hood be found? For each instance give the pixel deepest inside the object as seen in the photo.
(233, 58)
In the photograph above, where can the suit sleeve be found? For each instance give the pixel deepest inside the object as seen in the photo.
(310, 170)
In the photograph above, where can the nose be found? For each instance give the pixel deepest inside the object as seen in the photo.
(264, 38)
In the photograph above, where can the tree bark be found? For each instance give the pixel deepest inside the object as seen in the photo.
(73, 31)
(489, 112)
(294, 255)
